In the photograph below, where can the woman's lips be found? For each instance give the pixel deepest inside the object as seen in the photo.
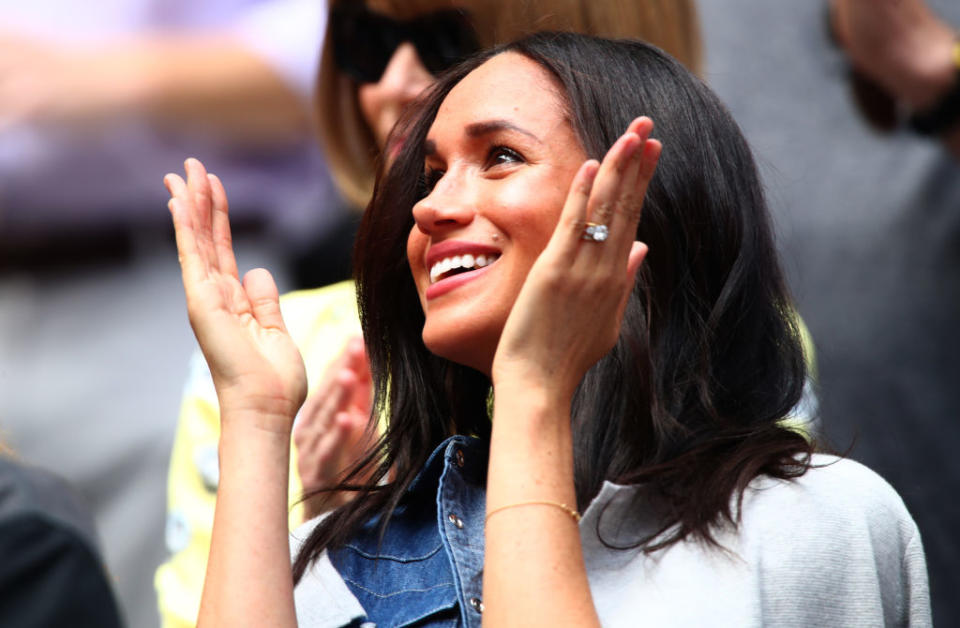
(469, 259)
(467, 262)
(444, 286)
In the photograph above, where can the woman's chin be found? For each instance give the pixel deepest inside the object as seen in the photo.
(460, 346)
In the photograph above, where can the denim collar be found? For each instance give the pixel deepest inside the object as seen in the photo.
(427, 568)
(475, 465)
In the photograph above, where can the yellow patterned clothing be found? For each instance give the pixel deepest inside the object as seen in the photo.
(321, 321)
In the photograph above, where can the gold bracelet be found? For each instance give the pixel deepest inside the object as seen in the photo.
(567, 509)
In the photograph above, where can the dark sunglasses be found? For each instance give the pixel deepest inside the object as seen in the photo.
(364, 41)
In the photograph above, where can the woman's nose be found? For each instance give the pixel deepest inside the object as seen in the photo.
(405, 76)
(446, 208)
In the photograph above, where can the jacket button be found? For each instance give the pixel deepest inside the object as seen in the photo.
(455, 520)
(459, 456)
(476, 604)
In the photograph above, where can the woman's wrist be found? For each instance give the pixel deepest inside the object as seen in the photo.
(257, 423)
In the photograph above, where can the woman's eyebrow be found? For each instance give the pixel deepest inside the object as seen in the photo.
(479, 129)
(486, 127)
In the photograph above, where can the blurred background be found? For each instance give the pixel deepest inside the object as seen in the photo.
(96, 105)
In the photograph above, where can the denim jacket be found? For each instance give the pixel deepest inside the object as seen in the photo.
(428, 571)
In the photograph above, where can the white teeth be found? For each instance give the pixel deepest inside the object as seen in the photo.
(467, 261)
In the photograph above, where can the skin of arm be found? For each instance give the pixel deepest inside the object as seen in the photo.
(210, 80)
(534, 573)
(261, 382)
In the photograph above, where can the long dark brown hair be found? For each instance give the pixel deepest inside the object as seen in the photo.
(691, 400)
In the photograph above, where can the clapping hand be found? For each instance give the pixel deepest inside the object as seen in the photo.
(568, 313)
(333, 429)
(256, 367)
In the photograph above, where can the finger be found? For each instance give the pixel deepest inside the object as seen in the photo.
(329, 385)
(651, 157)
(362, 396)
(647, 159)
(355, 355)
(359, 436)
(340, 394)
(264, 298)
(610, 178)
(222, 238)
(192, 265)
(324, 404)
(566, 237)
(198, 191)
(628, 201)
(175, 185)
(638, 253)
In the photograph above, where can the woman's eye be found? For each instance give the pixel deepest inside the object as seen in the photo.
(500, 155)
(429, 180)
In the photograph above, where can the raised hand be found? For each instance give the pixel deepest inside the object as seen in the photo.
(900, 44)
(257, 370)
(569, 311)
(331, 432)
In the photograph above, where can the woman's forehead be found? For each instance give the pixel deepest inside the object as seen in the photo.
(507, 83)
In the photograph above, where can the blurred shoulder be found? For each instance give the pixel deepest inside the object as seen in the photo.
(27, 491)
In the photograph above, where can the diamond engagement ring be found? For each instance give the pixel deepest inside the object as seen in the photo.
(595, 232)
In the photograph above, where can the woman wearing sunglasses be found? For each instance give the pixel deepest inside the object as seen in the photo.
(585, 386)
(377, 58)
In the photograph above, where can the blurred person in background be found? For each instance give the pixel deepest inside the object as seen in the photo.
(869, 226)
(96, 99)
(911, 56)
(377, 58)
(51, 572)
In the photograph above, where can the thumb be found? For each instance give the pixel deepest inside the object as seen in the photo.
(264, 298)
(638, 252)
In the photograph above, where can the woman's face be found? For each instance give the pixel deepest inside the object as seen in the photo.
(501, 155)
(381, 103)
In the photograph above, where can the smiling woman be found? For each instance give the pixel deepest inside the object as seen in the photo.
(645, 391)
(500, 161)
